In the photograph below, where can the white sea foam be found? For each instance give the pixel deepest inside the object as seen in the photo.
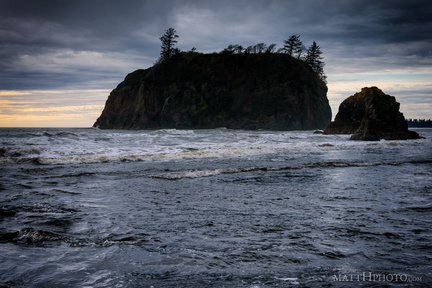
(94, 146)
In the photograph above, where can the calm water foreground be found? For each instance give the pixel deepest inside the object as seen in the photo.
(213, 208)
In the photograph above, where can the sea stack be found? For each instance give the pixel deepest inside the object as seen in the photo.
(371, 115)
(271, 91)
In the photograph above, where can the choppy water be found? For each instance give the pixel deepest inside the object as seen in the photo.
(213, 208)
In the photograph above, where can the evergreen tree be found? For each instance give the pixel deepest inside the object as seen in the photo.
(260, 47)
(313, 59)
(168, 43)
(249, 50)
(238, 49)
(293, 46)
(271, 48)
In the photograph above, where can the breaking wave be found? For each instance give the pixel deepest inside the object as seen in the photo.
(211, 172)
(174, 145)
(16, 152)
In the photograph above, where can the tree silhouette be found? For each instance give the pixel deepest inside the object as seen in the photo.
(293, 46)
(313, 59)
(238, 49)
(168, 43)
(260, 47)
(271, 48)
(249, 50)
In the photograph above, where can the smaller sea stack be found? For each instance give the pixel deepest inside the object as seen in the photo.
(371, 115)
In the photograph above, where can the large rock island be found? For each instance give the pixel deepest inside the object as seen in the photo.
(239, 91)
(371, 115)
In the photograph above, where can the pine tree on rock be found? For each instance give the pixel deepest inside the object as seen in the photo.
(293, 46)
(313, 59)
(168, 43)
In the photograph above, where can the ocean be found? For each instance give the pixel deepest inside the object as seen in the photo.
(213, 208)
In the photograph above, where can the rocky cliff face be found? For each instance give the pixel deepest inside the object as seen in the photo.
(371, 115)
(237, 91)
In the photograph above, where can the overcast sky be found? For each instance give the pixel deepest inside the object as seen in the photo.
(59, 59)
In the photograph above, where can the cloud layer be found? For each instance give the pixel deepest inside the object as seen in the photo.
(93, 44)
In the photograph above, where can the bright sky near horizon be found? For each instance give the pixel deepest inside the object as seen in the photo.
(59, 60)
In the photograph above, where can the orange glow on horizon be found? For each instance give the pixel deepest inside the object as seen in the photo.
(52, 108)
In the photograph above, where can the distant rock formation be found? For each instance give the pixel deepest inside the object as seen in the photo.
(238, 91)
(371, 115)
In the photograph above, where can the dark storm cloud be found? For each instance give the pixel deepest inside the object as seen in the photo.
(35, 35)
(81, 25)
(33, 31)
